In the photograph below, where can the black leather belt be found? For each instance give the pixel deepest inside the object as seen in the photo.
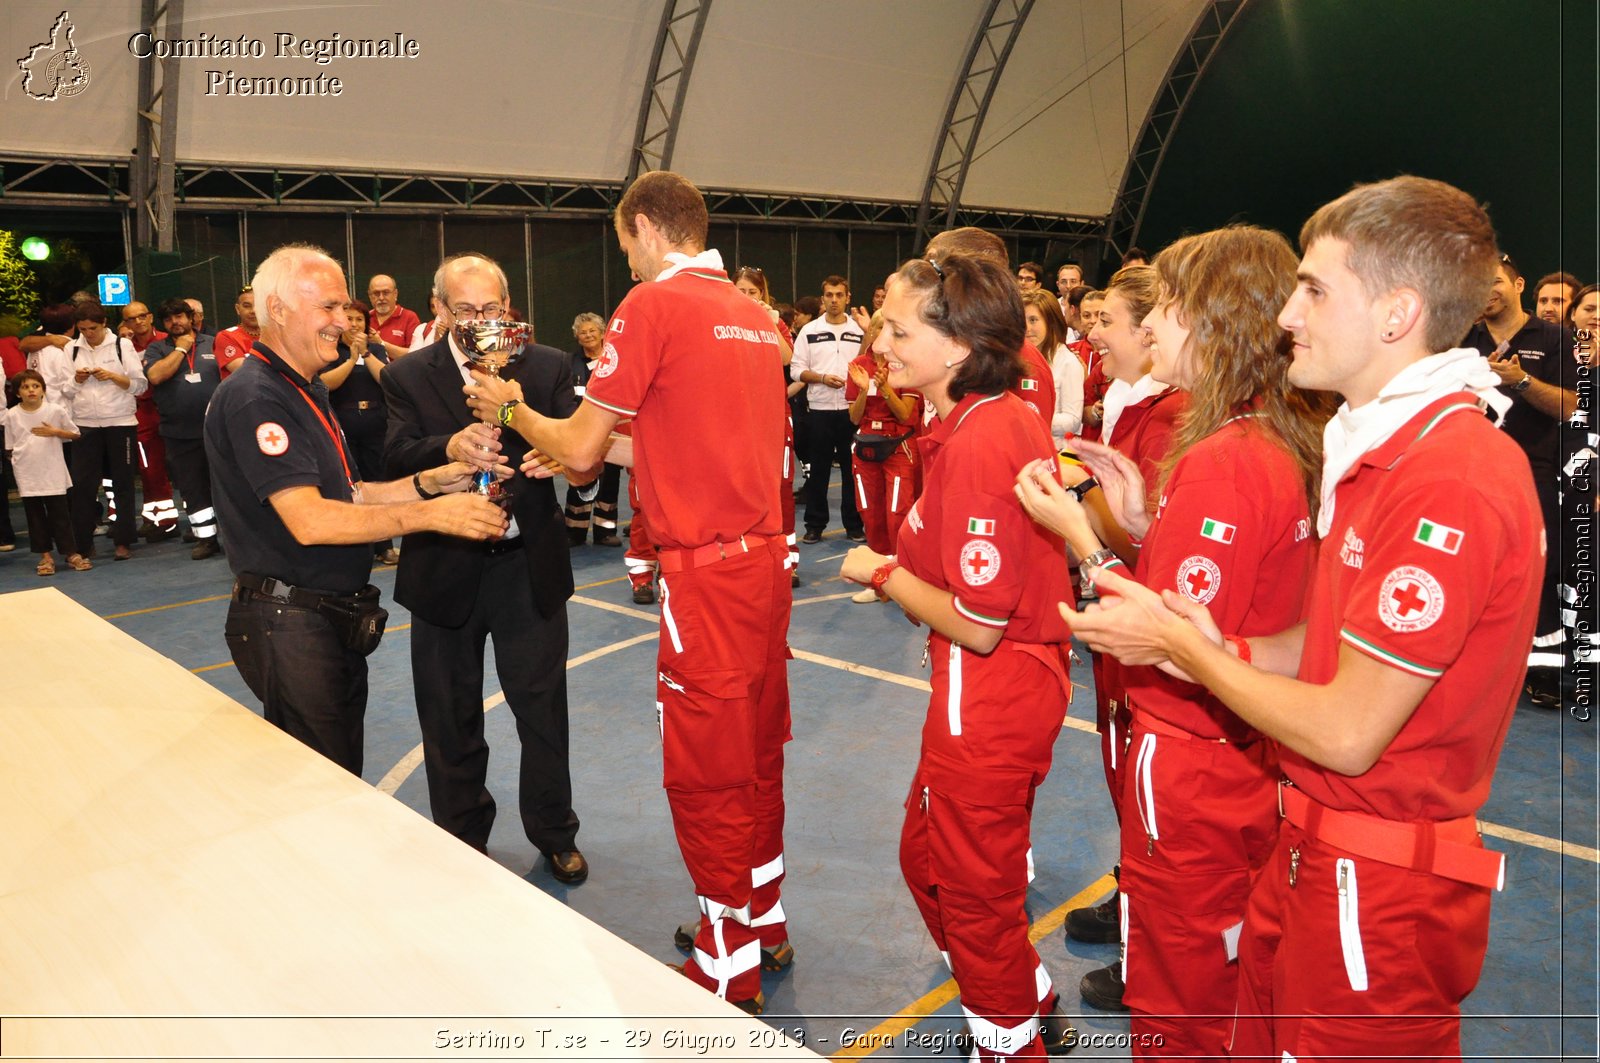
(503, 546)
(250, 587)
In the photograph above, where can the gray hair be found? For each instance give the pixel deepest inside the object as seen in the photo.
(587, 318)
(279, 272)
(468, 262)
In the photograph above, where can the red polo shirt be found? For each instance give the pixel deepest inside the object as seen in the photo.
(1037, 385)
(398, 329)
(968, 534)
(1432, 565)
(876, 417)
(1232, 531)
(691, 361)
(1144, 431)
(231, 345)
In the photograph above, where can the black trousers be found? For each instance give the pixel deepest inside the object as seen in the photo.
(48, 522)
(97, 454)
(604, 504)
(191, 475)
(530, 660)
(310, 686)
(828, 436)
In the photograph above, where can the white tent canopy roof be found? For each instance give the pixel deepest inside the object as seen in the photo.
(842, 98)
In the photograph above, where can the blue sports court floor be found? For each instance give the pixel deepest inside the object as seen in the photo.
(864, 963)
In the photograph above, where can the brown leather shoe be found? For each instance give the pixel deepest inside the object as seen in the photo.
(568, 866)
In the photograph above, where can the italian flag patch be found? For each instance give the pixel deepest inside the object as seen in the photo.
(980, 527)
(1439, 536)
(1215, 530)
(1029, 384)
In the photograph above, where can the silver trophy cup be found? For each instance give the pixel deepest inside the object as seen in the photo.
(491, 347)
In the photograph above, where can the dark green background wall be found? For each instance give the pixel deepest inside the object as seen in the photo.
(1306, 97)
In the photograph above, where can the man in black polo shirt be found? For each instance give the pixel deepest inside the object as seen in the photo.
(298, 522)
(182, 371)
(1534, 362)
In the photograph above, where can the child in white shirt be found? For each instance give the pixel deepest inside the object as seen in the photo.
(34, 430)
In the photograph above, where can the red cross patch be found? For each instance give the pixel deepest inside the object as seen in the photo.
(272, 439)
(1199, 578)
(980, 562)
(608, 360)
(1410, 599)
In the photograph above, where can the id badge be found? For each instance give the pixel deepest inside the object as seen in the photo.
(191, 378)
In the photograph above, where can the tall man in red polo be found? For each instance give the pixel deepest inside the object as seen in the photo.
(690, 360)
(1369, 923)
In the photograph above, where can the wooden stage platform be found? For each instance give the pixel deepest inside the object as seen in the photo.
(180, 880)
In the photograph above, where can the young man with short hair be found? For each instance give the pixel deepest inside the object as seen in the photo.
(1390, 704)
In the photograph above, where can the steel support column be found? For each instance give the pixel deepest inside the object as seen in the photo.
(1166, 110)
(156, 120)
(963, 119)
(677, 41)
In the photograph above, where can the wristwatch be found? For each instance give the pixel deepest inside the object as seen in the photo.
(1079, 490)
(1087, 592)
(507, 409)
(1523, 384)
(880, 576)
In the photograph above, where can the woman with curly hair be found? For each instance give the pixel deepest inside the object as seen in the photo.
(1232, 529)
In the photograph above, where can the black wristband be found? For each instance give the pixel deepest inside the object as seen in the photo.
(416, 482)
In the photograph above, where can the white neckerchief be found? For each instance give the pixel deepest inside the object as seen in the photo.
(1121, 395)
(710, 258)
(1352, 433)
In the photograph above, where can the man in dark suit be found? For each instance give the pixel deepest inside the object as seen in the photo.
(514, 590)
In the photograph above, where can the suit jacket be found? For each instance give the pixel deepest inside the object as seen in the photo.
(439, 574)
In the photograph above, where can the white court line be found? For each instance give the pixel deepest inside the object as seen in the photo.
(830, 557)
(1539, 841)
(407, 764)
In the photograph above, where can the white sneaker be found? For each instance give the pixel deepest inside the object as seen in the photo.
(865, 595)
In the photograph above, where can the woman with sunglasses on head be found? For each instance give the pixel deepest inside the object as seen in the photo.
(984, 578)
(1232, 530)
(752, 283)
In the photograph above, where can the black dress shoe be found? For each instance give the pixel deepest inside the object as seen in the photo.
(1103, 988)
(812, 535)
(858, 536)
(1097, 925)
(568, 866)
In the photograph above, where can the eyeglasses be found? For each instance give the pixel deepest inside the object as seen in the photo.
(136, 317)
(487, 312)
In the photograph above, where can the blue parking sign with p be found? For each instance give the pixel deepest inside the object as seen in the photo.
(114, 289)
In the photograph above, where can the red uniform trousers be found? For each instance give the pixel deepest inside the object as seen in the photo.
(1377, 969)
(884, 493)
(1111, 722)
(723, 697)
(1201, 818)
(641, 553)
(964, 849)
(152, 454)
